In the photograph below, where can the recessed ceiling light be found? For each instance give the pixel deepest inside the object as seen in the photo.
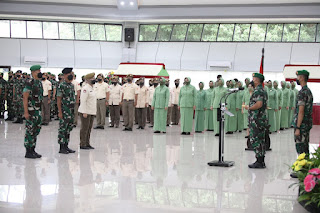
(131, 3)
(122, 3)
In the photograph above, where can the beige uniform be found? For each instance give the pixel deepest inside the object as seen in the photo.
(47, 87)
(88, 105)
(77, 88)
(101, 90)
(115, 93)
(129, 92)
(175, 114)
(142, 104)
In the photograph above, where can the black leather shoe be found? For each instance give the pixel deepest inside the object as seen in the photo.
(142, 128)
(246, 136)
(240, 130)
(111, 126)
(281, 129)
(29, 154)
(35, 153)
(44, 124)
(229, 133)
(217, 134)
(97, 127)
(257, 165)
(156, 132)
(69, 150)
(129, 129)
(84, 147)
(63, 149)
(139, 127)
(183, 133)
(187, 133)
(125, 129)
(150, 126)
(9, 119)
(198, 132)
(168, 125)
(91, 147)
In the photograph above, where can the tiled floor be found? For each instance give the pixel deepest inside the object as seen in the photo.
(143, 172)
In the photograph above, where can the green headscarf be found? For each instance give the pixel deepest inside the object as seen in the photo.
(222, 80)
(277, 84)
(233, 83)
(293, 85)
(283, 84)
(162, 81)
(189, 79)
(202, 85)
(288, 85)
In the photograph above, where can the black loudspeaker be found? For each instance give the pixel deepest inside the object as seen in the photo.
(129, 34)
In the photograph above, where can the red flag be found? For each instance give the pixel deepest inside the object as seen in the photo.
(262, 61)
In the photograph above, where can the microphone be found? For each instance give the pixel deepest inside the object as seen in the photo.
(235, 89)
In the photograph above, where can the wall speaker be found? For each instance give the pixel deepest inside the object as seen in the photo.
(129, 34)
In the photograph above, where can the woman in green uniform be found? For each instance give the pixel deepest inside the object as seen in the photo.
(187, 102)
(278, 113)
(245, 102)
(272, 106)
(209, 111)
(200, 109)
(239, 97)
(284, 123)
(231, 121)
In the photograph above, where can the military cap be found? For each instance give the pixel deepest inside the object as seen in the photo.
(24, 73)
(19, 71)
(155, 79)
(67, 70)
(302, 72)
(258, 75)
(130, 75)
(49, 73)
(35, 67)
(60, 74)
(177, 80)
(10, 72)
(89, 76)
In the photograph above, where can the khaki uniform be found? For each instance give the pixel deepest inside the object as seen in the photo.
(77, 88)
(142, 102)
(101, 90)
(175, 115)
(88, 105)
(129, 92)
(47, 87)
(115, 93)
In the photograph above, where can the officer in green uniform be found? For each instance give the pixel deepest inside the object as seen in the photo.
(258, 121)
(187, 100)
(53, 96)
(209, 111)
(3, 85)
(65, 101)
(239, 98)
(231, 121)
(32, 98)
(160, 104)
(284, 124)
(9, 96)
(218, 93)
(245, 102)
(17, 93)
(272, 106)
(280, 103)
(201, 97)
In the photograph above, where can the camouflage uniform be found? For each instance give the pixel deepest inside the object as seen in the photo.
(66, 92)
(10, 106)
(258, 121)
(304, 98)
(53, 103)
(3, 86)
(33, 124)
(18, 97)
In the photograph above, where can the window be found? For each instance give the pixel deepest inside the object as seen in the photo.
(241, 32)
(308, 32)
(274, 32)
(97, 32)
(34, 29)
(148, 32)
(258, 32)
(225, 32)
(5, 28)
(50, 30)
(66, 30)
(113, 32)
(164, 32)
(194, 32)
(210, 32)
(290, 32)
(179, 32)
(82, 31)
(318, 33)
(18, 29)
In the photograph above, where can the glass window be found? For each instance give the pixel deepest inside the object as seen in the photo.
(5, 28)
(225, 32)
(114, 32)
(194, 32)
(18, 29)
(210, 32)
(82, 31)
(50, 30)
(164, 32)
(274, 32)
(148, 32)
(290, 32)
(97, 32)
(318, 33)
(66, 30)
(241, 32)
(258, 32)
(179, 32)
(34, 29)
(308, 33)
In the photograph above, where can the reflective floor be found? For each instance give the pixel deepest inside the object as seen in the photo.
(143, 172)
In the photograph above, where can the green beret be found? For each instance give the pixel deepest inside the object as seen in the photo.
(24, 73)
(258, 75)
(302, 72)
(49, 73)
(35, 67)
(89, 76)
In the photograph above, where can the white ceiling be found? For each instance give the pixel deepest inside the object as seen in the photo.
(174, 2)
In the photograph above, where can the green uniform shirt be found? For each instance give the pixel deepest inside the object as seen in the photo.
(258, 118)
(209, 97)
(34, 87)
(201, 96)
(187, 96)
(161, 97)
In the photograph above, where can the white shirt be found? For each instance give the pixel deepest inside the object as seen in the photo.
(115, 93)
(101, 90)
(143, 97)
(172, 97)
(151, 92)
(88, 100)
(176, 92)
(76, 86)
(47, 86)
(129, 91)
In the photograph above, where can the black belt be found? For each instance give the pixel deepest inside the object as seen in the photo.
(45, 96)
(101, 99)
(128, 100)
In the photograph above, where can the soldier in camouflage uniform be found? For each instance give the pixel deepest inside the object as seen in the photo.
(17, 96)
(32, 98)
(53, 102)
(258, 120)
(65, 101)
(3, 88)
(9, 95)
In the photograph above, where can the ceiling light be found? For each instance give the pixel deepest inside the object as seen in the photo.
(131, 3)
(122, 3)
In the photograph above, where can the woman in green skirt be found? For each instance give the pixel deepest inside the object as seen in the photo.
(200, 108)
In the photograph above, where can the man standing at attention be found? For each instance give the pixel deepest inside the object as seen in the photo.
(47, 87)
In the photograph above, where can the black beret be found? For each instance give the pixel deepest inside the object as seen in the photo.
(67, 70)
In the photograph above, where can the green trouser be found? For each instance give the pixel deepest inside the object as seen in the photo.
(284, 118)
(302, 141)
(240, 118)
(65, 127)
(216, 123)
(199, 121)
(10, 106)
(33, 127)
(272, 120)
(278, 119)
(257, 140)
(209, 120)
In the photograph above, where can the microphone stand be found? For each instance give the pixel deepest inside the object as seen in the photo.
(221, 118)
